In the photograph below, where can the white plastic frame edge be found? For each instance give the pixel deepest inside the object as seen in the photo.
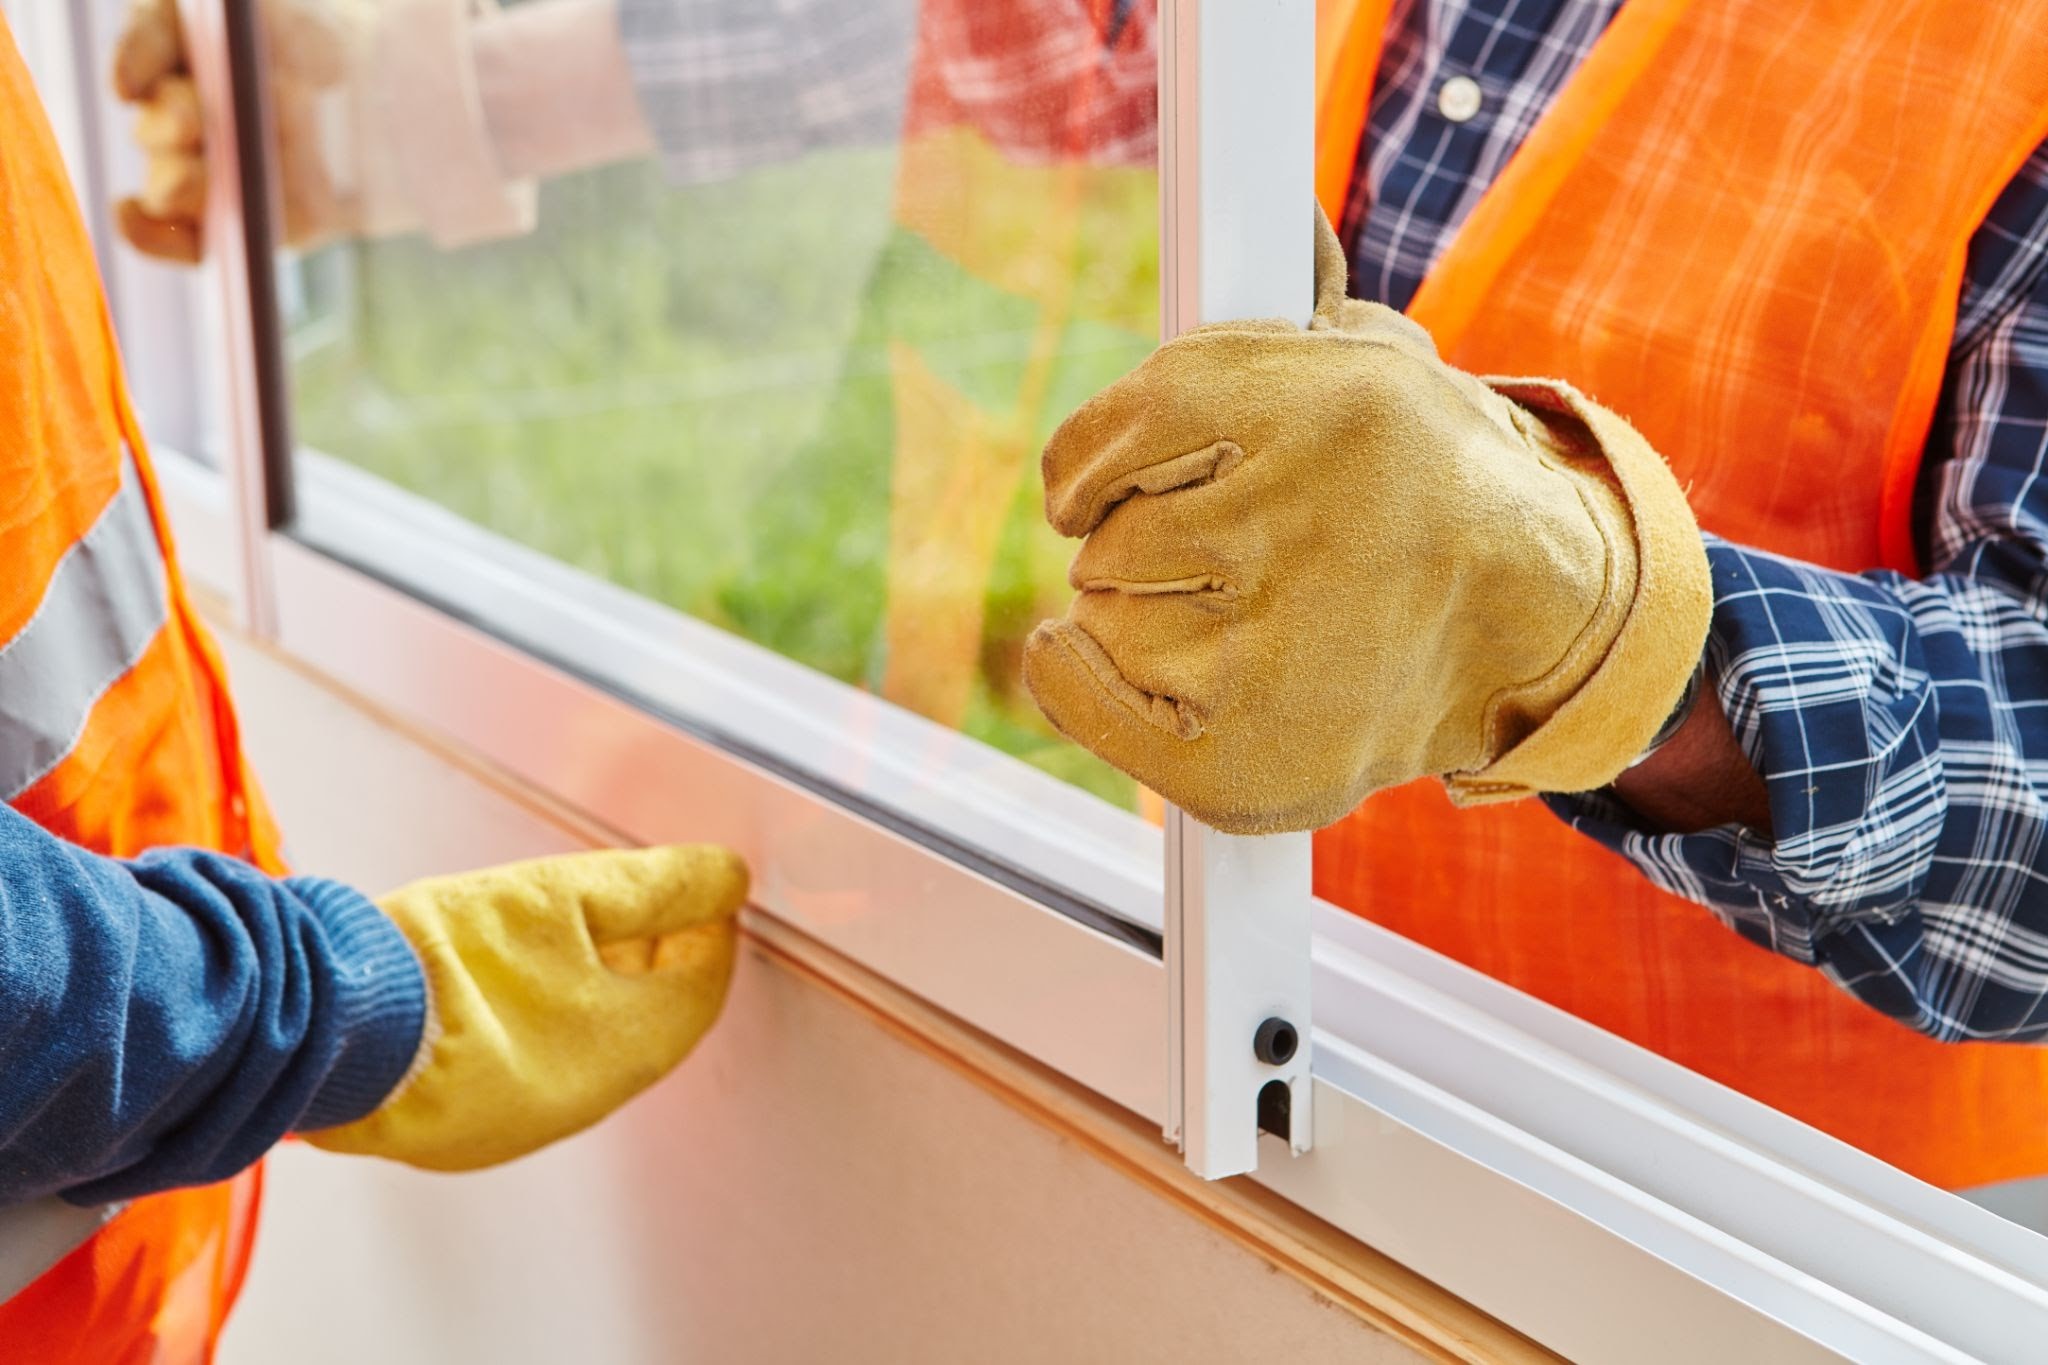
(1235, 184)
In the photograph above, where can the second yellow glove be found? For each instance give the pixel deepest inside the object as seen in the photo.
(558, 989)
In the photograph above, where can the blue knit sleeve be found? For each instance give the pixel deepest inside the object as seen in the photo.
(164, 1021)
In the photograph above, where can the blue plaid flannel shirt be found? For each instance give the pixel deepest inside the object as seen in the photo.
(1901, 725)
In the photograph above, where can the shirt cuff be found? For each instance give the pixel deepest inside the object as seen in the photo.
(1819, 675)
(382, 1011)
(1727, 869)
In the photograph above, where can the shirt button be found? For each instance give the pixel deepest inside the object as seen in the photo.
(1459, 99)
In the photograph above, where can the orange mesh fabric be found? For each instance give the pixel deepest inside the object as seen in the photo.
(153, 1288)
(1742, 226)
(57, 367)
(1348, 36)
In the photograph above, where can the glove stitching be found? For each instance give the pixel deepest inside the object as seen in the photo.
(1194, 585)
(1583, 643)
(1145, 480)
(1150, 707)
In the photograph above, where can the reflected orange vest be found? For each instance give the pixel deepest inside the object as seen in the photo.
(115, 729)
(1742, 225)
(1028, 169)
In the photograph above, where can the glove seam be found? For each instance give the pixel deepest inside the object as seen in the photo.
(1119, 689)
(1573, 750)
(1578, 654)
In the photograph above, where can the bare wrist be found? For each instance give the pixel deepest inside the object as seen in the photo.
(1699, 777)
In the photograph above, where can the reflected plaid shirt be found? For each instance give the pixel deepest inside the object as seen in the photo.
(1901, 725)
(729, 86)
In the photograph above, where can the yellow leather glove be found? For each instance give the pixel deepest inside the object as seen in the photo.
(304, 53)
(557, 990)
(1321, 562)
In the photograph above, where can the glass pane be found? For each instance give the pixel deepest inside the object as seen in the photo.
(763, 312)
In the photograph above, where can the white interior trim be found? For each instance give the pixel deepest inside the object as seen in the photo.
(1011, 966)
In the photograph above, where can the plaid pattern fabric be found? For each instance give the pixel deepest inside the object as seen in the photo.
(1901, 725)
(1419, 174)
(732, 85)
(1042, 80)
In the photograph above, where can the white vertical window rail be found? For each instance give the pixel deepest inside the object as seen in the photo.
(1237, 162)
(223, 51)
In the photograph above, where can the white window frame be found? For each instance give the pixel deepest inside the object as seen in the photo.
(1237, 178)
(1607, 1202)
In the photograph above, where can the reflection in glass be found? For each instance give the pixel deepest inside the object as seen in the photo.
(771, 333)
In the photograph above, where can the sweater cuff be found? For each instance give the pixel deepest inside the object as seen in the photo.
(381, 1012)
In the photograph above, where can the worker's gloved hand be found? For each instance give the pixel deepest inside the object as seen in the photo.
(150, 71)
(1322, 562)
(558, 989)
(305, 52)
(390, 116)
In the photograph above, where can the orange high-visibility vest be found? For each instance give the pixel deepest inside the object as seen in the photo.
(115, 728)
(1742, 225)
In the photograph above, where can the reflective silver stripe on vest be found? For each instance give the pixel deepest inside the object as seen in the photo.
(106, 601)
(35, 1236)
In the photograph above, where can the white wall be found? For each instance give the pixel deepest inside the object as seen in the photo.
(808, 1187)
